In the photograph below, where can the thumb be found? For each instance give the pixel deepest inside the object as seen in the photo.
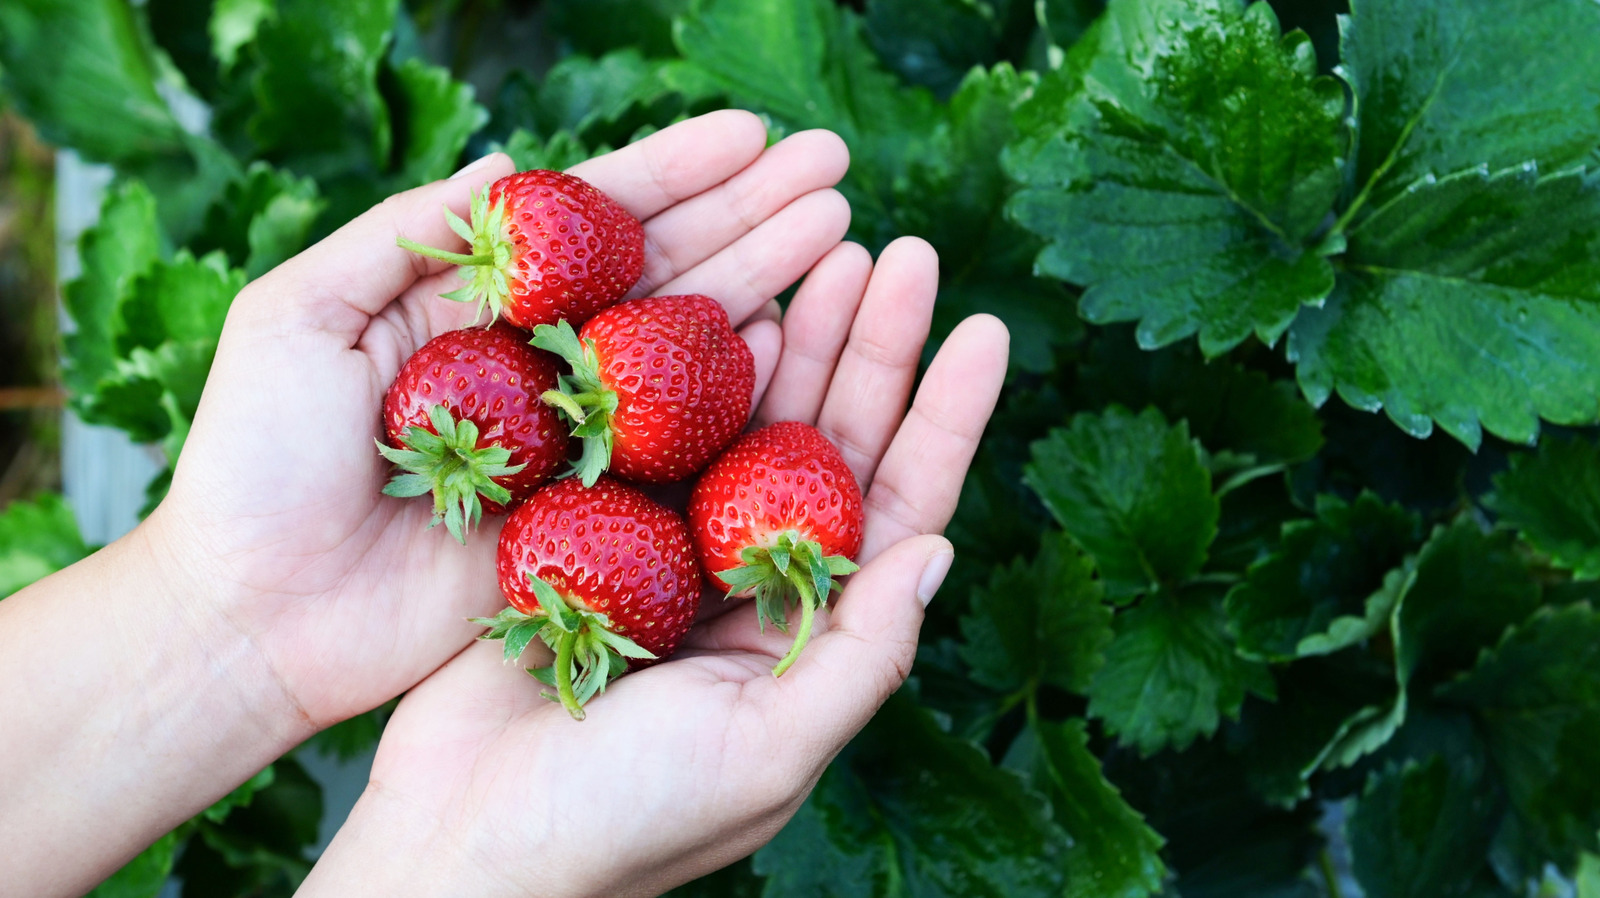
(847, 672)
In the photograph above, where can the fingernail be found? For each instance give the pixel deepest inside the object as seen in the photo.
(933, 576)
(472, 167)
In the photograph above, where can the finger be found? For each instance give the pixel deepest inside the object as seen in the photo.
(690, 232)
(676, 163)
(919, 482)
(814, 333)
(764, 262)
(872, 382)
(769, 311)
(867, 651)
(476, 691)
(765, 340)
(348, 276)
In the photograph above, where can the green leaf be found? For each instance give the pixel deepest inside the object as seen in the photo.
(317, 106)
(260, 846)
(935, 43)
(1462, 592)
(1132, 491)
(186, 299)
(1513, 258)
(1245, 419)
(609, 98)
(1288, 740)
(909, 810)
(1222, 841)
(261, 219)
(806, 64)
(559, 153)
(1038, 622)
(596, 27)
(1421, 831)
(434, 115)
(145, 875)
(234, 23)
(37, 538)
(1171, 674)
(240, 797)
(1179, 169)
(1449, 85)
(1538, 695)
(125, 242)
(1331, 583)
(1588, 880)
(1553, 498)
(83, 72)
(1114, 853)
(952, 195)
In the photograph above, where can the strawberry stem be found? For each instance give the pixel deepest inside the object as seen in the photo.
(565, 646)
(444, 255)
(487, 269)
(791, 571)
(808, 614)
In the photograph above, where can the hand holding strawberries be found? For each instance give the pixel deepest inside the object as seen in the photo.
(482, 787)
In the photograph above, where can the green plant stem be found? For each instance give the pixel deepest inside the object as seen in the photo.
(808, 614)
(1330, 877)
(444, 255)
(569, 699)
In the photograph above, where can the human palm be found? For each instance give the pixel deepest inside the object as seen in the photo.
(276, 502)
(687, 765)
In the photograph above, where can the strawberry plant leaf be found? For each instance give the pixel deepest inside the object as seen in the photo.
(1422, 829)
(145, 875)
(607, 99)
(807, 64)
(1588, 879)
(559, 153)
(84, 73)
(1171, 674)
(234, 24)
(596, 27)
(1331, 583)
(123, 243)
(1513, 255)
(1461, 593)
(1450, 85)
(1290, 739)
(910, 805)
(1179, 168)
(1552, 497)
(261, 219)
(1252, 425)
(1114, 853)
(1038, 622)
(433, 116)
(37, 538)
(1132, 491)
(1537, 694)
(319, 63)
(185, 299)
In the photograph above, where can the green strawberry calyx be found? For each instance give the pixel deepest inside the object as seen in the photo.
(485, 268)
(581, 396)
(589, 653)
(449, 463)
(792, 571)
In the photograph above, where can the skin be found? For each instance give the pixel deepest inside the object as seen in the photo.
(276, 592)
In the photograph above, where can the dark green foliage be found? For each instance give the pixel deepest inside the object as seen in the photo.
(1195, 596)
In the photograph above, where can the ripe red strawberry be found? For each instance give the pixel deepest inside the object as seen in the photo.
(658, 387)
(601, 574)
(546, 247)
(778, 516)
(466, 411)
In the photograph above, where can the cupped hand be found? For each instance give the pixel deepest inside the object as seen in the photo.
(275, 506)
(486, 788)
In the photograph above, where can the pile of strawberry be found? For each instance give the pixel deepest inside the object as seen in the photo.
(653, 391)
